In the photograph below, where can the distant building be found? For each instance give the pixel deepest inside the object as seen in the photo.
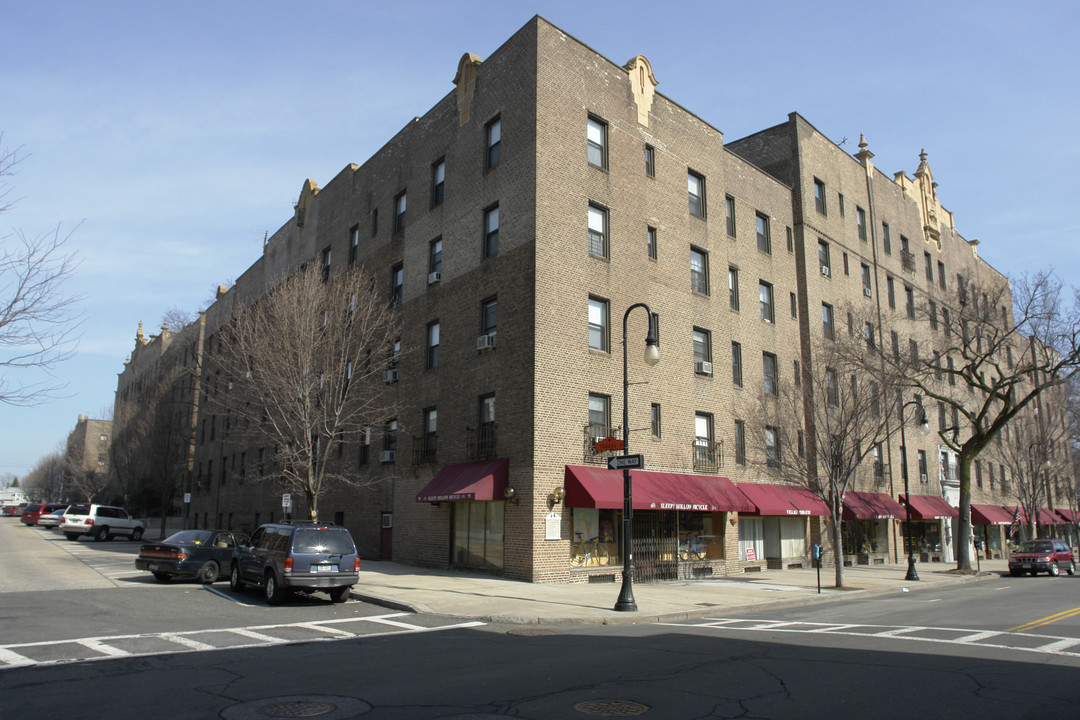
(86, 458)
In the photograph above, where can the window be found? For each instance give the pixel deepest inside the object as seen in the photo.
(875, 400)
(941, 275)
(650, 242)
(733, 287)
(913, 351)
(695, 185)
(493, 132)
(868, 335)
(488, 316)
(486, 418)
(895, 346)
(433, 345)
(729, 207)
(946, 326)
(790, 240)
(794, 307)
(886, 239)
(846, 265)
(740, 442)
(435, 256)
(931, 309)
(952, 371)
(596, 138)
(650, 160)
(772, 446)
(866, 280)
(390, 436)
(890, 284)
(654, 420)
(936, 362)
(769, 372)
(797, 373)
(326, 264)
(429, 442)
(764, 241)
(491, 231)
(840, 200)
(827, 325)
(699, 271)
(860, 222)
(941, 417)
(765, 296)
(922, 466)
(374, 222)
(736, 363)
(599, 415)
(598, 324)
(399, 212)
(704, 456)
(823, 257)
(819, 196)
(438, 182)
(879, 461)
(354, 244)
(702, 352)
(832, 388)
(909, 301)
(598, 242)
(928, 264)
(397, 283)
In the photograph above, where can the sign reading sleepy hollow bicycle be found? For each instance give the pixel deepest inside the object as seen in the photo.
(626, 462)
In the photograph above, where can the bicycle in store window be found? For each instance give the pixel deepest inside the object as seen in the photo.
(584, 553)
(692, 548)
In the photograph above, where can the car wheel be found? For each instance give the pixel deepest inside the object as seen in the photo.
(340, 595)
(1072, 568)
(71, 536)
(161, 577)
(235, 583)
(102, 533)
(275, 594)
(209, 572)
(1054, 569)
(136, 534)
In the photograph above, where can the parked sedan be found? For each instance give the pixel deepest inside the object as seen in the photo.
(1048, 555)
(190, 553)
(31, 513)
(51, 520)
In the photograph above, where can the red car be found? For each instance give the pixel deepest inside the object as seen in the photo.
(1047, 555)
(31, 513)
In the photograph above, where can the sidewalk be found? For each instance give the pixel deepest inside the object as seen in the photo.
(498, 600)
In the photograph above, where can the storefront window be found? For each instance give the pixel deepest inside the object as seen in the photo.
(477, 534)
(751, 538)
(595, 542)
(700, 536)
(862, 537)
(925, 534)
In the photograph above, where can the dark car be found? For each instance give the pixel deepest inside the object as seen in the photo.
(282, 558)
(190, 553)
(31, 513)
(8, 510)
(1042, 555)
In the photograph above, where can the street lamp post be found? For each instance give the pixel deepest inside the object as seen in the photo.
(920, 419)
(626, 603)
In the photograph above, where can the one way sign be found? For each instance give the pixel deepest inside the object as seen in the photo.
(625, 462)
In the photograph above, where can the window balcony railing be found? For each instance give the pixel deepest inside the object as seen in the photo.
(481, 441)
(708, 454)
(593, 433)
(425, 449)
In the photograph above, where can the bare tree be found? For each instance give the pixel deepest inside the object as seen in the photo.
(39, 326)
(988, 367)
(45, 483)
(820, 427)
(301, 370)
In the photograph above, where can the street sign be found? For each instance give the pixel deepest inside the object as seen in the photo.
(625, 462)
(286, 502)
(608, 444)
(187, 498)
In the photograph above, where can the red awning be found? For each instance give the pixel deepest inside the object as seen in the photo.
(930, 507)
(594, 487)
(1045, 516)
(783, 500)
(990, 515)
(871, 506)
(486, 480)
(1068, 515)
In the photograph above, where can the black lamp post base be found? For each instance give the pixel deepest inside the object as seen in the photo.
(911, 576)
(626, 603)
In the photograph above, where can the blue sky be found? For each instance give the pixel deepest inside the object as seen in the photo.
(178, 134)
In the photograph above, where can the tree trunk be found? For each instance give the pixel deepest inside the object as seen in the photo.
(963, 527)
(838, 543)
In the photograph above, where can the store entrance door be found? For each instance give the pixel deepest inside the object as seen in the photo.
(655, 545)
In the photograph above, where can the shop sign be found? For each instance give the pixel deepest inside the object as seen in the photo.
(751, 554)
(553, 526)
(685, 506)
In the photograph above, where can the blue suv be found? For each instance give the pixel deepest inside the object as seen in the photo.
(282, 558)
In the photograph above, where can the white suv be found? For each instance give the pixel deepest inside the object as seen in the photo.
(100, 522)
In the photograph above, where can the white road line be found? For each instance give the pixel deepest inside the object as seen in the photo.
(898, 631)
(1059, 645)
(331, 630)
(13, 659)
(254, 635)
(98, 646)
(394, 623)
(188, 642)
(975, 637)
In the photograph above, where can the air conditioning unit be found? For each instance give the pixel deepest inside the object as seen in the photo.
(923, 478)
(366, 437)
(390, 376)
(387, 456)
(825, 270)
(486, 342)
(866, 291)
(703, 368)
(434, 277)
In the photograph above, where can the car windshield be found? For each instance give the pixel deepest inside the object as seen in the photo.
(310, 540)
(1036, 547)
(79, 509)
(190, 537)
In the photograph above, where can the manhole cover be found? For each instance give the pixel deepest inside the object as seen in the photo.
(611, 708)
(297, 709)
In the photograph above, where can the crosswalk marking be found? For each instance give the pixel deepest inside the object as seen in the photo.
(915, 633)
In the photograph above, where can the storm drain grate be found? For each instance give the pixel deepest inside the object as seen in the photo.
(611, 708)
(297, 709)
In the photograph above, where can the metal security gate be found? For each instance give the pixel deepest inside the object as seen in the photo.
(655, 545)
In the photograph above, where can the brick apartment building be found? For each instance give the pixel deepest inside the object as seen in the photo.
(86, 455)
(515, 222)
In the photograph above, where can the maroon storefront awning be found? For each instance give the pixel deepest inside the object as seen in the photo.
(1068, 515)
(1045, 516)
(594, 487)
(990, 515)
(486, 480)
(783, 500)
(930, 507)
(871, 506)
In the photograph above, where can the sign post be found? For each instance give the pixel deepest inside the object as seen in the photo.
(286, 505)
